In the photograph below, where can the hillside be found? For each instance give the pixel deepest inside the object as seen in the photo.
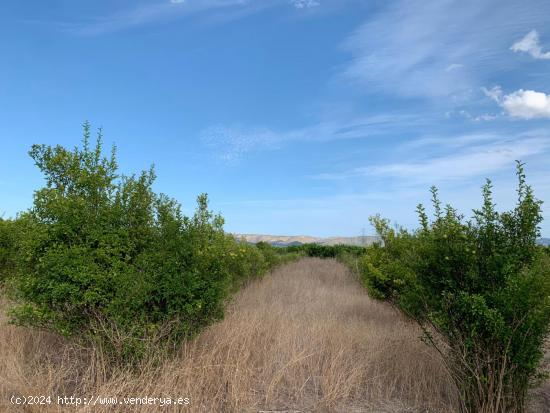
(284, 240)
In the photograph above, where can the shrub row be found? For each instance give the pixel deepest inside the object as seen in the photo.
(326, 251)
(7, 248)
(102, 258)
(480, 290)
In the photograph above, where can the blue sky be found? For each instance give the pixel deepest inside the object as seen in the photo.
(296, 116)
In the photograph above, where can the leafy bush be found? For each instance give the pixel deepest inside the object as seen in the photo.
(7, 248)
(244, 261)
(386, 267)
(248, 261)
(326, 251)
(105, 259)
(483, 285)
(278, 255)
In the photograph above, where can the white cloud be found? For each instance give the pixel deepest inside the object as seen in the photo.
(530, 44)
(527, 104)
(305, 4)
(522, 104)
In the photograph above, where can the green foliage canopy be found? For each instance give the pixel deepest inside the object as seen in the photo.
(104, 258)
(483, 285)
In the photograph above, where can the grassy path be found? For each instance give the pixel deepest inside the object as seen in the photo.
(306, 338)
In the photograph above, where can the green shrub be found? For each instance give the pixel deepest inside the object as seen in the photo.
(254, 260)
(7, 247)
(386, 269)
(483, 285)
(326, 251)
(245, 262)
(274, 255)
(104, 259)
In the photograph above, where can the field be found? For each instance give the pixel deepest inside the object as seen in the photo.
(305, 338)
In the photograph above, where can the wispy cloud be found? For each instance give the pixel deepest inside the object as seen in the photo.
(231, 143)
(435, 49)
(408, 50)
(478, 161)
(463, 157)
(165, 10)
(305, 4)
(144, 13)
(462, 113)
(522, 104)
(456, 164)
(124, 19)
(454, 66)
(530, 43)
(451, 142)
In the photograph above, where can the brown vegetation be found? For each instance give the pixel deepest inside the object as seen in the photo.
(304, 338)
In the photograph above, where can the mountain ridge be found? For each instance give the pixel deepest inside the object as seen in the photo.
(284, 240)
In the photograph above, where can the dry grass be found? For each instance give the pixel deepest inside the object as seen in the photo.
(305, 338)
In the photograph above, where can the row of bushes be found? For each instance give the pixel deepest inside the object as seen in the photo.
(480, 290)
(326, 251)
(7, 248)
(102, 258)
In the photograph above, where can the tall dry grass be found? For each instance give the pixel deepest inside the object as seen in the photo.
(304, 338)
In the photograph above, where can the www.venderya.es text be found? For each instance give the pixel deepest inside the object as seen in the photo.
(99, 400)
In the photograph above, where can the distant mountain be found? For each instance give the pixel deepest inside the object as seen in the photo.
(286, 240)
